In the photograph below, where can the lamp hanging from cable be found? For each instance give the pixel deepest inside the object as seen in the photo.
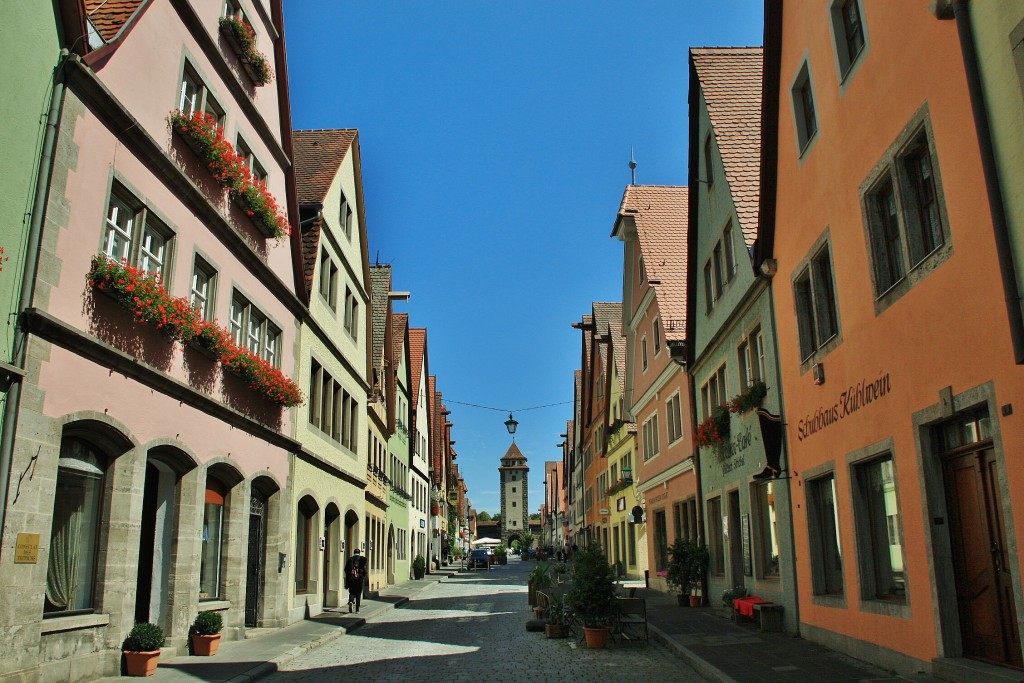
(510, 425)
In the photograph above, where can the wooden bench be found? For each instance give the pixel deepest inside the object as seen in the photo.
(769, 616)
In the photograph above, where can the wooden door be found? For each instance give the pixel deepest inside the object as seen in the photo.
(980, 560)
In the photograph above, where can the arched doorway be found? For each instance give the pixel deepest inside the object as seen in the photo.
(158, 529)
(333, 559)
(391, 556)
(262, 492)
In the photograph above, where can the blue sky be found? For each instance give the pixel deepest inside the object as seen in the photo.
(495, 141)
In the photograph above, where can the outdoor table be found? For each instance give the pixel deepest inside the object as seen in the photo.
(745, 606)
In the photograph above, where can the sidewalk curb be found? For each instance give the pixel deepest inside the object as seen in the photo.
(701, 666)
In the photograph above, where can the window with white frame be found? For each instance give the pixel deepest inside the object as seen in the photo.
(673, 409)
(802, 94)
(328, 285)
(345, 216)
(233, 10)
(815, 301)
(656, 334)
(905, 213)
(196, 97)
(250, 160)
(351, 313)
(651, 439)
(823, 534)
(713, 392)
(251, 329)
(719, 269)
(750, 355)
(204, 279)
(643, 352)
(135, 236)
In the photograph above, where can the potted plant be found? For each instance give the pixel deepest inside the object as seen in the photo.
(142, 649)
(730, 594)
(419, 567)
(501, 555)
(206, 633)
(593, 594)
(698, 560)
(537, 579)
(555, 628)
(678, 572)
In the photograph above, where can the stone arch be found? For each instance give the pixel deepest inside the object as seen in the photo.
(266, 543)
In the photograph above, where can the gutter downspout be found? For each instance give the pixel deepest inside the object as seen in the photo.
(1004, 249)
(12, 405)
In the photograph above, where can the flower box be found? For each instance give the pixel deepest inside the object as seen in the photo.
(242, 39)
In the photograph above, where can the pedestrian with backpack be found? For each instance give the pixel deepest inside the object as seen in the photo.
(355, 574)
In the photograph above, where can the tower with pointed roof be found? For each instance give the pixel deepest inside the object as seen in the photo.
(514, 474)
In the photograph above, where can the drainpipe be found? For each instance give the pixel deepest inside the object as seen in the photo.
(1004, 249)
(10, 418)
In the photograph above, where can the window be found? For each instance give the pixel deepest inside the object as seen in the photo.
(328, 279)
(720, 268)
(261, 337)
(643, 270)
(651, 445)
(656, 331)
(848, 33)
(203, 280)
(351, 314)
(674, 413)
(643, 352)
(213, 526)
(709, 168)
(513, 503)
(879, 534)
(803, 108)
(233, 10)
(823, 532)
(716, 547)
(196, 97)
(74, 535)
(250, 160)
(751, 358)
(660, 541)
(345, 217)
(135, 236)
(817, 318)
(713, 393)
(904, 214)
(767, 533)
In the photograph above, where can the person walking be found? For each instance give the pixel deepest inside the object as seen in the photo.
(355, 574)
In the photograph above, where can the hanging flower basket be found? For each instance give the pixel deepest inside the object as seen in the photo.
(749, 399)
(204, 137)
(713, 432)
(242, 38)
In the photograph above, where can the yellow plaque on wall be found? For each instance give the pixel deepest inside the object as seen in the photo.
(26, 549)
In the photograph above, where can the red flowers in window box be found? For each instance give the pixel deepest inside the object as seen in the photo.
(201, 132)
(143, 295)
(714, 430)
(243, 39)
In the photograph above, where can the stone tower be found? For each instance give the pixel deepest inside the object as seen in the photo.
(514, 503)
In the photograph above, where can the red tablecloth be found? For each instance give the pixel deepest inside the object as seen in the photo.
(745, 606)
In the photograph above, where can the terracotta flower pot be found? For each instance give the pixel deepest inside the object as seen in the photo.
(597, 638)
(141, 663)
(205, 646)
(695, 601)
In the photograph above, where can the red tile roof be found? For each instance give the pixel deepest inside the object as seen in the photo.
(660, 214)
(417, 345)
(110, 16)
(318, 156)
(730, 79)
(513, 453)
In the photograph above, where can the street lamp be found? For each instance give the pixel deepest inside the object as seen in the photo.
(510, 425)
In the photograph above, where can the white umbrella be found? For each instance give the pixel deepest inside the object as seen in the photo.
(487, 541)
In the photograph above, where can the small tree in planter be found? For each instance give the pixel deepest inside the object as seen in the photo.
(419, 567)
(206, 633)
(555, 628)
(142, 649)
(678, 571)
(698, 560)
(538, 579)
(593, 594)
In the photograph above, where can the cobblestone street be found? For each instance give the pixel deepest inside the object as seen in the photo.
(472, 628)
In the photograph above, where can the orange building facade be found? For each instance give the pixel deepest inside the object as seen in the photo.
(895, 349)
